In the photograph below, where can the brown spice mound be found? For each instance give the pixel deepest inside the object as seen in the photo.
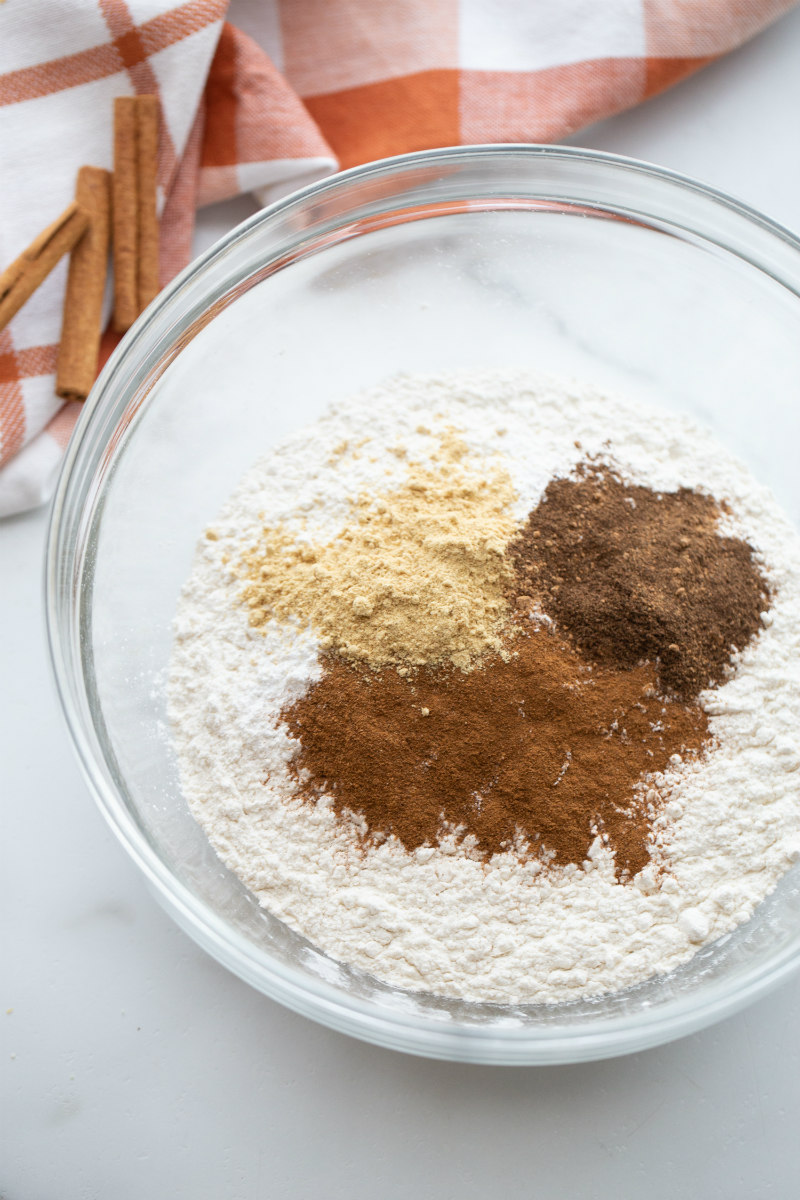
(536, 745)
(635, 575)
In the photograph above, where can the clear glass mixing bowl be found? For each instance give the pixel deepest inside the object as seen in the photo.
(557, 259)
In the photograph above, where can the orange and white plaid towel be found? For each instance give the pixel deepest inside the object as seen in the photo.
(299, 87)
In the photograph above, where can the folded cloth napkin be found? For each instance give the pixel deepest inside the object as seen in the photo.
(295, 89)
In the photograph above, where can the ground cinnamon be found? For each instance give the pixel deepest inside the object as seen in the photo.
(539, 747)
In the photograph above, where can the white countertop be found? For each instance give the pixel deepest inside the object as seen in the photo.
(132, 1065)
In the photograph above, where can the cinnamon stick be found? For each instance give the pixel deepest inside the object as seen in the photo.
(125, 192)
(20, 280)
(147, 162)
(83, 301)
(135, 219)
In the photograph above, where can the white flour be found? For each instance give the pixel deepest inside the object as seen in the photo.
(434, 919)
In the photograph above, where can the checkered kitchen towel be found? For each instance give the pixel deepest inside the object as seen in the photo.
(297, 87)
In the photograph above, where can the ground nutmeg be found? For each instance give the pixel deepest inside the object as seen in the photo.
(637, 575)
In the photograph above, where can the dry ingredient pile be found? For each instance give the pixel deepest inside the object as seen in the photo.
(488, 686)
(415, 576)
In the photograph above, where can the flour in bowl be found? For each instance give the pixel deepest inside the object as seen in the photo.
(489, 686)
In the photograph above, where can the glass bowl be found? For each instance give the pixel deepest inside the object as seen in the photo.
(559, 259)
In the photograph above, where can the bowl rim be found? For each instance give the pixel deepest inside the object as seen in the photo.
(317, 999)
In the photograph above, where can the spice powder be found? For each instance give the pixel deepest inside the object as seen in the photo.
(537, 749)
(545, 745)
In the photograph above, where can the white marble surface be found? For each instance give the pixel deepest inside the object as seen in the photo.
(132, 1065)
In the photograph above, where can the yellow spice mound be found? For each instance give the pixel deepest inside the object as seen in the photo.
(416, 576)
